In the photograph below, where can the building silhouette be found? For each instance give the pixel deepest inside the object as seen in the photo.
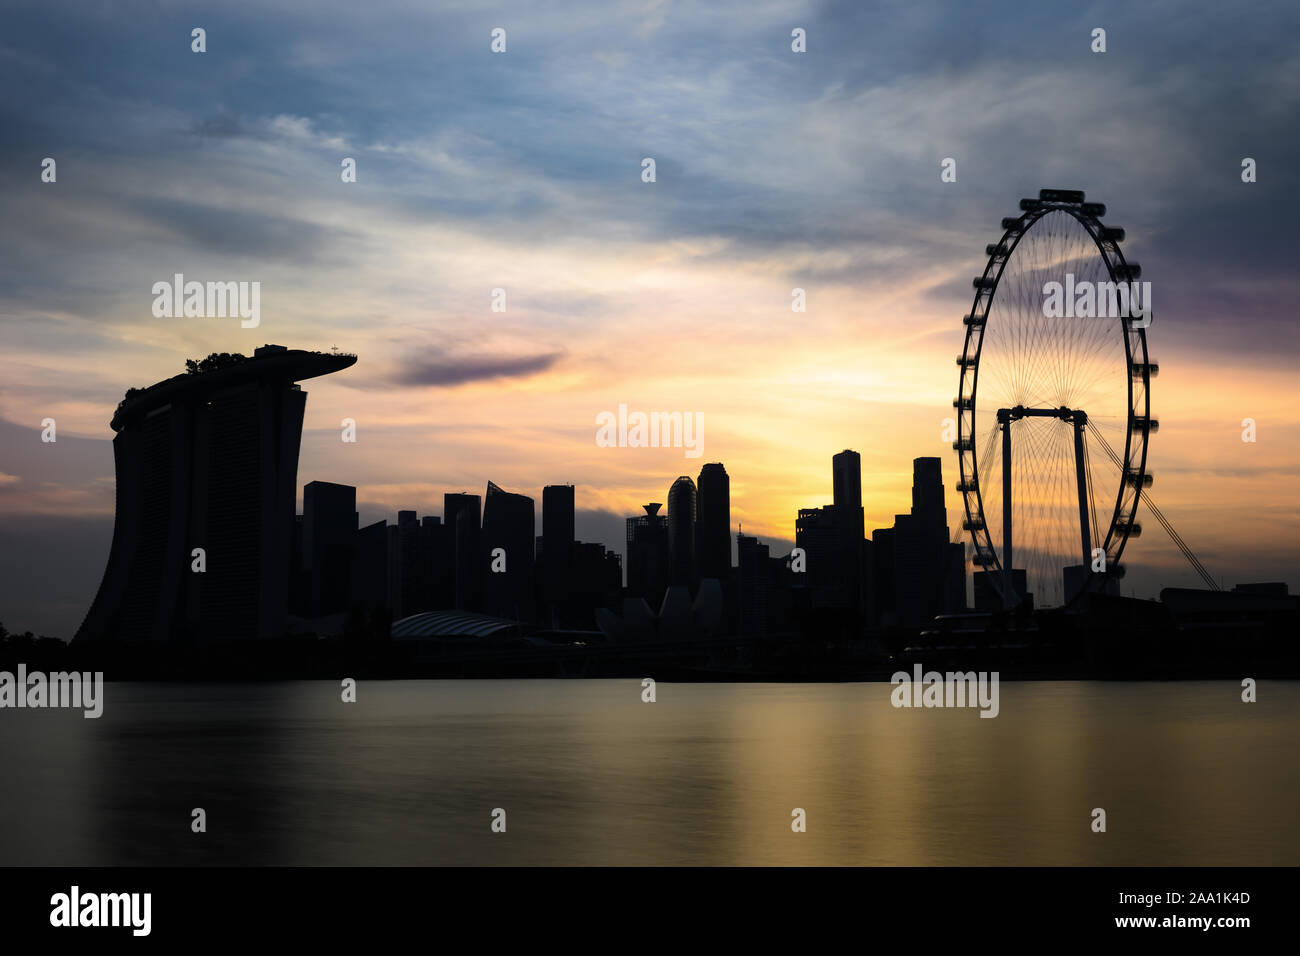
(766, 590)
(460, 513)
(647, 555)
(407, 588)
(508, 530)
(836, 553)
(754, 586)
(713, 522)
(681, 532)
(556, 554)
(597, 582)
(207, 460)
(329, 527)
(988, 590)
(920, 572)
(370, 574)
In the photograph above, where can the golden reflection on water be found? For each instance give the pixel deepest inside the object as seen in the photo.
(708, 774)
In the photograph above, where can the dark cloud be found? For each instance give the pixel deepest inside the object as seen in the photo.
(440, 369)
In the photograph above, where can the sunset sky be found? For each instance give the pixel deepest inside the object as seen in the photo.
(522, 171)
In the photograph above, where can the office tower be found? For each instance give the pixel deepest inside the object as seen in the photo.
(836, 552)
(847, 471)
(409, 586)
(929, 574)
(556, 555)
(713, 523)
(370, 574)
(647, 555)
(830, 561)
(207, 459)
(427, 566)
(438, 539)
(882, 577)
(753, 586)
(681, 532)
(847, 488)
(460, 513)
(597, 583)
(508, 527)
(329, 525)
(927, 491)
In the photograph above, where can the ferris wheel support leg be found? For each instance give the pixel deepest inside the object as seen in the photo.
(1080, 420)
(1008, 596)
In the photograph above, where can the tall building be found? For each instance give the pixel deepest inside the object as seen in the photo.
(831, 564)
(681, 532)
(508, 527)
(753, 586)
(207, 460)
(429, 569)
(855, 548)
(556, 555)
(929, 574)
(460, 513)
(713, 523)
(836, 552)
(647, 555)
(370, 585)
(597, 583)
(329, 527)
(882, 576)
(766, 591)
(847, 482)
(408, 586)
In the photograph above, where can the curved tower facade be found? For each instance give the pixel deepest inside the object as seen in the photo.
(681, 531)
(206, 461)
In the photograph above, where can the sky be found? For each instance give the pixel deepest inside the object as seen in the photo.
(522, 171)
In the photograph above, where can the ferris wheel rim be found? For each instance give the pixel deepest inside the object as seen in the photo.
(1134, 476)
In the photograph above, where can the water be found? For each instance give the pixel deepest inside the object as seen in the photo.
(709, 774)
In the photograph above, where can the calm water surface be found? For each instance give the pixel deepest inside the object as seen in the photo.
(709, 774)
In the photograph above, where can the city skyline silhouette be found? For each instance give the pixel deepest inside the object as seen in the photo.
(207, 470)
(647, 435)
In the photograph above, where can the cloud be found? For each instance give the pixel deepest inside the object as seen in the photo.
(440, 369)
(220, 126)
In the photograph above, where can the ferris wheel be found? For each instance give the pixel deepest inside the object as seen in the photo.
(1055, 381)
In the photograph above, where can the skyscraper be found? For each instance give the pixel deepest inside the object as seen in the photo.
(408, 585)
(836, 551)
(557, 545)
(647, 555)
(830, 565)
(508, 528)
(847, 488)
(370, 574)
(754, 586)
(460, 513)
(207, 460)
(713, 523)
(329, 527)
(681, 532)
(929, 575)
(847, 470)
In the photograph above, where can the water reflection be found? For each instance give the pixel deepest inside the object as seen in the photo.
(709, 774)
